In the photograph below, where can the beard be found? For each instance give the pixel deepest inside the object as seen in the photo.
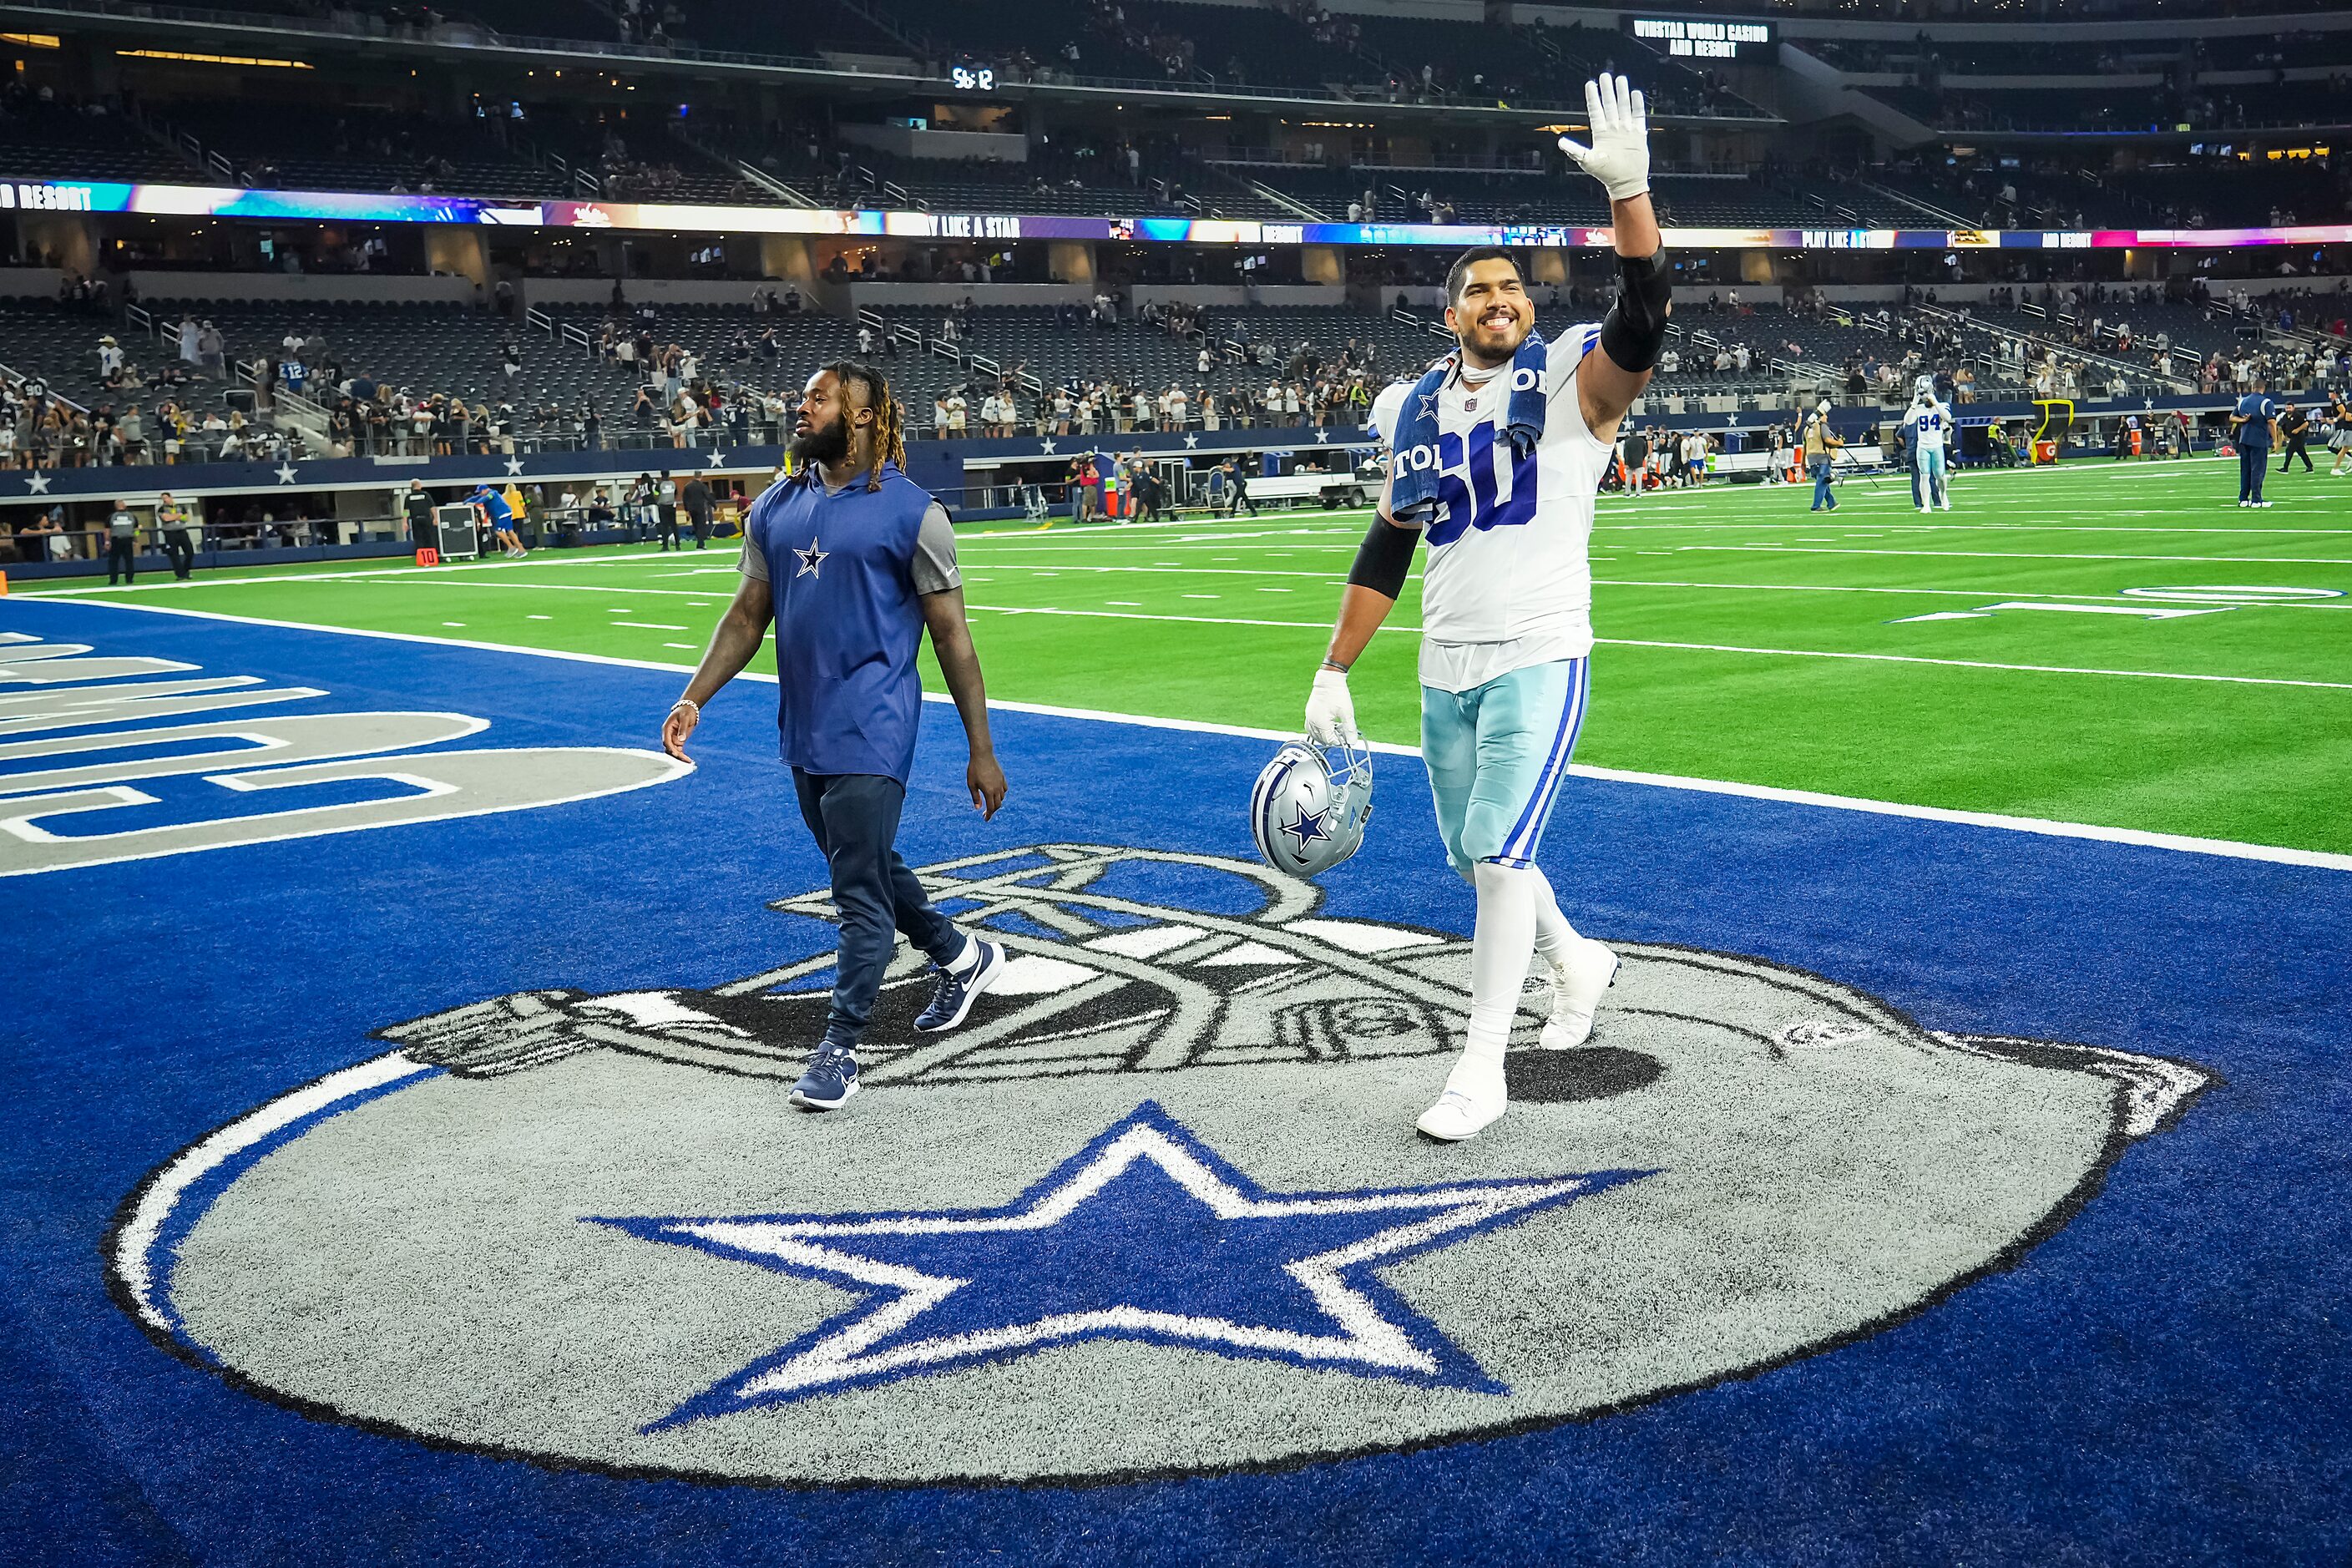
(1497, 346)
(828, 443)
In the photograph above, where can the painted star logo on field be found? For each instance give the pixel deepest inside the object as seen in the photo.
(811, 560)
(514, 467)
(1309, 826)
(1145, 1235)
(37, 485)
(284, 473)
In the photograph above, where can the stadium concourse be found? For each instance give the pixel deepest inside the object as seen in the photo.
(431, 1138)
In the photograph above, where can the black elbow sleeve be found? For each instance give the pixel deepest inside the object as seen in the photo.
(1384, 558)
(1635, 328)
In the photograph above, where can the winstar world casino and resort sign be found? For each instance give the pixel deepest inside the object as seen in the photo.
(1703, 38)
(341, 207)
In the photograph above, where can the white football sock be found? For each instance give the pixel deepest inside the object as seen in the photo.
(1501, 946)
(962, 963)
(1555, 938)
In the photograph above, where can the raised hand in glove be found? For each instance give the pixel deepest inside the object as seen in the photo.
(1620, 155)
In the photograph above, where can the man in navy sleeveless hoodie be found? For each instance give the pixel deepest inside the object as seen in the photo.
(853, 561)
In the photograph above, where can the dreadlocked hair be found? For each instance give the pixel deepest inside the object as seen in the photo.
(889, 420)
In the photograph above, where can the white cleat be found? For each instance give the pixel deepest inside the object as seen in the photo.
(1576, 989)
(1475, 1099)
(1457, 1116)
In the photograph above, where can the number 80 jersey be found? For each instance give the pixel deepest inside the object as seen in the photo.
(1509, 564)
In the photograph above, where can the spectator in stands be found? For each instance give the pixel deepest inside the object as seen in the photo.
(212, 353)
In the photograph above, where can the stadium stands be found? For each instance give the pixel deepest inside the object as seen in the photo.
(1399, 153)
(357, 149)
(45, 137)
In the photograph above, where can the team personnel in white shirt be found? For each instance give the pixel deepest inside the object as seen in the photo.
(1507, 601)
(1928, 425)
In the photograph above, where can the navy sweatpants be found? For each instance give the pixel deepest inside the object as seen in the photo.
(2252, 463)
(854, 817)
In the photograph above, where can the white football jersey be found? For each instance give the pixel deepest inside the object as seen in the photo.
(1382, 421)
(1930, 423)
(1509, 578)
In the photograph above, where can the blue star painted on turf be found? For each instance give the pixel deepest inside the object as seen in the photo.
(812, 559)
(1146, 1235)
(1309, 826)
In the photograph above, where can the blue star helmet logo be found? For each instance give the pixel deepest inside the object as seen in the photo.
(1144, 1235)
(1309, 826)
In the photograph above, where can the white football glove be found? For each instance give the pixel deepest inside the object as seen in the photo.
(1330, 712)
(1620, 155)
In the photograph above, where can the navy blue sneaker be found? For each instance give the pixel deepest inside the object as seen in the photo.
(829, 1081)
(957, 992)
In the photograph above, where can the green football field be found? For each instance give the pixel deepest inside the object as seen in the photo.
(2115, 644)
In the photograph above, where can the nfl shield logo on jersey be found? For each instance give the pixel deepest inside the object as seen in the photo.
(585, 1230)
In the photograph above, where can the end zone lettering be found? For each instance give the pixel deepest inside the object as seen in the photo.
(45, 198)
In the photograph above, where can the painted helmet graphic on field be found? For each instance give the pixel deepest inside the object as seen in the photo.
(1308, 808)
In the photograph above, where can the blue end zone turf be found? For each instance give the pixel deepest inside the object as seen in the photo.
(2080, 1305)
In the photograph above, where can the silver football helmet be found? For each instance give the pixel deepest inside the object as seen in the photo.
(1308, 808)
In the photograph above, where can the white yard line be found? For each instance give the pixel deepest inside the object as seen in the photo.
(2176, 843)
(2003, 528)
(1707, 648)
(2023, 555)
(404, 570)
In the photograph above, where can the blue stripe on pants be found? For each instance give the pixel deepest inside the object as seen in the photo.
(1496, 756)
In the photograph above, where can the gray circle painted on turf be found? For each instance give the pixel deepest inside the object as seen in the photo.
(425, 1261)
